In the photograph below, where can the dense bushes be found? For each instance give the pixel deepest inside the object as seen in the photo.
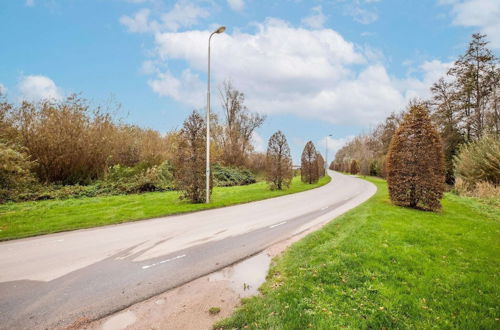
(72, 143)
(15, 175)
(415, 162)
(232, 176)
(69, 148)
(120, 180)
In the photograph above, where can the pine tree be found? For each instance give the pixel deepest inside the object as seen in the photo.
(309, 170)
(278, 162)
(476, 83)
(415, 162)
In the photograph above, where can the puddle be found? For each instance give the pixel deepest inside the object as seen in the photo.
(120, 321)
(246, 276)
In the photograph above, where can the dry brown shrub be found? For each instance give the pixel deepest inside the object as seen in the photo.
(189, 173)
(279, 169)
(73, 143)
(309, 168)
(415, 162)
(354, 167)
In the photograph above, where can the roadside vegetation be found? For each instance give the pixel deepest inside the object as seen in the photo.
(43, 217)
(59, 149)
(464, 109)
(385, 266)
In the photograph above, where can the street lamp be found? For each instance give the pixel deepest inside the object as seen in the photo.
(207, 170)
(327, 166)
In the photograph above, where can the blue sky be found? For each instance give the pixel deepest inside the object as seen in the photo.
(314, 67)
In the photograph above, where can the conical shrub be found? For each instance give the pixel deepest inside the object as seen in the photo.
(415, 162)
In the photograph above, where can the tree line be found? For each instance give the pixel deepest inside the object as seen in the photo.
(464, 109)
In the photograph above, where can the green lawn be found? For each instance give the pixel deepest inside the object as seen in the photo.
(35, 218)
(381, 266)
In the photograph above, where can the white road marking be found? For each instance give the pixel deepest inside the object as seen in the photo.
(325, 208)
(278, 224)
(163, 261)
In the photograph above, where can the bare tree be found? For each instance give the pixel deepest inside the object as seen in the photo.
(278, 162)
(239, 124)
(189, 164)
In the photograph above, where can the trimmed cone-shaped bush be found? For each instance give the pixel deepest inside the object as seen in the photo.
(321, 166)
(415, 162)
(309, 170)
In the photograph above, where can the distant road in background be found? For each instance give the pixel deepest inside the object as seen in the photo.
(56, 280)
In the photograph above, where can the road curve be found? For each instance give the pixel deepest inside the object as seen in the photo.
(56, 280)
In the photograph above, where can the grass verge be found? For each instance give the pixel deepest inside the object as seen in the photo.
(380, 266)
(36, 218)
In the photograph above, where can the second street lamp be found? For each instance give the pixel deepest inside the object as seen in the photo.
(327, 166)
(207, 170)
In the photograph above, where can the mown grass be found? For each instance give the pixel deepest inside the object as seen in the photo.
(381, 266)
(36, 218)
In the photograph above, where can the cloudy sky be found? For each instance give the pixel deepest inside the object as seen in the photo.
(315, 67)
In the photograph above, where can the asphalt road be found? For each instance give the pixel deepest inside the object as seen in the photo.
(61, 279)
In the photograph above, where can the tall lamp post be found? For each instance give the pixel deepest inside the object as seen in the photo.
(207, 170)
(327, 166)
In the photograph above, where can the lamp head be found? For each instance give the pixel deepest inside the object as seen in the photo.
(220, 30)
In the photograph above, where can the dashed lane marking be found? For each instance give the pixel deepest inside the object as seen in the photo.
(163, 261)
(278, 224)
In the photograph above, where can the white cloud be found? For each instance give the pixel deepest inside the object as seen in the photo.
(237, 5)
(362, 15)
(30, 3)
(139, 22)
(330, 79)
(333, 145)
(316, 20)
(431, 72)
(187, 89)
(258, 142)
(182, 14)
(36, 87)
(483, 14)
(3, 89)
(279, 75)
